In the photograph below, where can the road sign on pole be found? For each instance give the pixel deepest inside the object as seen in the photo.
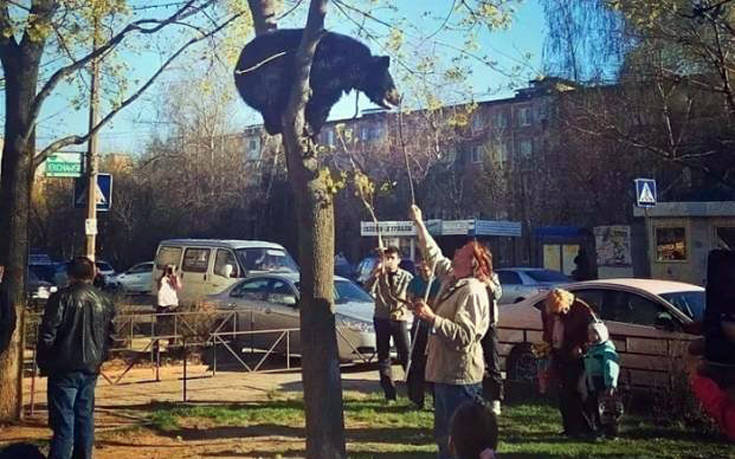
(64, 164)
(645, 192)
(103, 194)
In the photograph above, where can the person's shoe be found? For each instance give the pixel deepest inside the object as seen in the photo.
(495, 407)
(416, 406)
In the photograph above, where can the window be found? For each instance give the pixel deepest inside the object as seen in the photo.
(346, 291)
(690, 303)
(168, 256)
(371, 133)
(265, 259)
(725, 237)
(225, 257)
(509, 278)
(504, 148)
(525, 148)
(525, 116)
(671, 244)
(593, 297)
(141, 268)
(476, 153)
(478, 122)
(281, 293)
(547, 275)
(104, 266)
(196, 260)
(254, 289)
(252, 152)
(632, 309)
(501, 120)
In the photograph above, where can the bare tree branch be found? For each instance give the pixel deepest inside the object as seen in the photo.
(76, 140)
(7, 40)
(138, 26)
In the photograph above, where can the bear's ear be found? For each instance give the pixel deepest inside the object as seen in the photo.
(384, 61)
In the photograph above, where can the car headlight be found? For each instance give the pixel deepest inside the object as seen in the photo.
(355, 325)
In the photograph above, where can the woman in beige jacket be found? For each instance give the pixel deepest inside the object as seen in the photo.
(458, 322)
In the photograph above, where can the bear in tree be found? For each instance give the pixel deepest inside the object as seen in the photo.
(263, 75)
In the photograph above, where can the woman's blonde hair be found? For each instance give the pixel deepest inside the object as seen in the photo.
(558, 300)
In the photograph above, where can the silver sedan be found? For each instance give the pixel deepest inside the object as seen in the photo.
(270, 302)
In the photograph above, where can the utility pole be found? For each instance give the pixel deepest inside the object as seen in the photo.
(90, 224)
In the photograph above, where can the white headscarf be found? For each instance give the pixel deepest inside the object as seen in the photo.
(601, 330)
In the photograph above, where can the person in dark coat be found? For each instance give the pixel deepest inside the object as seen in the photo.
(420, 332)
(74, 339)
(565, 321)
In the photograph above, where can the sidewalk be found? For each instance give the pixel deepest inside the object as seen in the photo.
(119, 406)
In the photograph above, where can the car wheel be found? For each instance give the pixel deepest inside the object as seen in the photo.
(521, 365)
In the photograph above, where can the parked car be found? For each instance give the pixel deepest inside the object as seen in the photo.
(138, 279)
(44, 271)
(209, 266)
(521, 283)
(647, 320)
(105, 269)
(270, 302)
(37, 288)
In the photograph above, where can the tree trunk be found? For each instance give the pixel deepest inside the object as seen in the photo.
(315, 216)
(21, 74)
(320, 362)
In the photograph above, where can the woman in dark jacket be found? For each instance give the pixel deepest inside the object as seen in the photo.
(565, 321)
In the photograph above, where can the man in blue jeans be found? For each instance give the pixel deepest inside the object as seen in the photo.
(74, 339)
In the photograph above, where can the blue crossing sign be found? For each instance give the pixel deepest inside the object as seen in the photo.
(104, 192)
(645, 192)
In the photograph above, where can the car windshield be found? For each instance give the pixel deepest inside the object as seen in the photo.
(690, 303)
(262, 259)
(346, 291)
(546, 275)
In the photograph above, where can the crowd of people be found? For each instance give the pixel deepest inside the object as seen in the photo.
(451, 351)
(454, 348)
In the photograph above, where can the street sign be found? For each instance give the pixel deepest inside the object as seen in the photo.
(104, 192)
(645, 192)
(64, 164)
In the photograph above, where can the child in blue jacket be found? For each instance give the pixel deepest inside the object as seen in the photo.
(602, 367)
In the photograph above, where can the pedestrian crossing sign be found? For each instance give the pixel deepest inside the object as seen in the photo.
(103, 194)
(645, 192)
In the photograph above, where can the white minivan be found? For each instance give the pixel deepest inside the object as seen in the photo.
(208, 266)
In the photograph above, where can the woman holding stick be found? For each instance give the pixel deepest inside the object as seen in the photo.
(458, 322)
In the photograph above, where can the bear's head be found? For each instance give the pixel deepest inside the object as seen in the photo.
(377, 83)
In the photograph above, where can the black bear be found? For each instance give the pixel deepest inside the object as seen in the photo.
(263, 75)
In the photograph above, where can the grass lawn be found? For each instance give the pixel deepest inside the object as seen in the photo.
(378, 430)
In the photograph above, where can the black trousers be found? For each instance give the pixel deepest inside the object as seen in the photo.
(384, 330)
(606, 410)
(576, 412)
(416, 381)
(492, 382)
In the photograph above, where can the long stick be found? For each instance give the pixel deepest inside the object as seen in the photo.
(416, 327)
(405, 153)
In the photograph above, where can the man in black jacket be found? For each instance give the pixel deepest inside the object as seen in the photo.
(74, 339)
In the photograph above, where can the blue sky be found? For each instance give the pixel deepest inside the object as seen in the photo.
(131, 128)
